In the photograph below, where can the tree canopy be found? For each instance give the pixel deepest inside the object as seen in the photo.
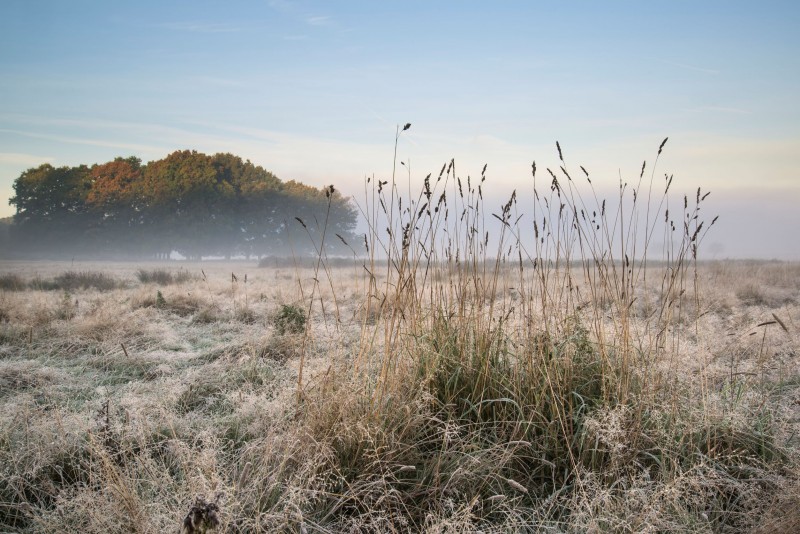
(189, 202)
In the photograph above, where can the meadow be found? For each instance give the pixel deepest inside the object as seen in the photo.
(447, 383)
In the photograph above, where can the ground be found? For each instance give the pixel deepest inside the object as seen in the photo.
(128, 389)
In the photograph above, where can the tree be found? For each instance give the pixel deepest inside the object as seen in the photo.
(189, 202)
(51, 207)
(178, 194)
(116, 204)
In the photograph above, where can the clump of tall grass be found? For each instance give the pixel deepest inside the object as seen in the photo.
(510, 379)
(289, 319)
(180, 304)
(12, 282)
(78, 280)
(67, 307)
(751, 294)
(163, 277)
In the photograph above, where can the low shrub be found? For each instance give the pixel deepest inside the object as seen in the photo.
(12, 282)
(163, 277)
(76, 280)
(290, 319)
(179, 304)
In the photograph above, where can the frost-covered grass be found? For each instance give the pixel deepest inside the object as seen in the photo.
(123, 412)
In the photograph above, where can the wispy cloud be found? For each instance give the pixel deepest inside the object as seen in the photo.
(136, 147)
(283, 6)
(297, 12)
(319, 21)
(200, 27)
(17, 158)
(300, 14)
(220, 82)
(722, 109)
(25, 123)
(686, 66)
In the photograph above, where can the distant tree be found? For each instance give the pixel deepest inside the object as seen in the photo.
(178, 192)
(116, 203)
(51, 208)
(114, 185)
(193, 203)
(308, 211)
(250, 205)
(46, 192)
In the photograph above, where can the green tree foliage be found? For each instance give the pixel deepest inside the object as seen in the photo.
(115, 201)
(51, 204)
(189, 202)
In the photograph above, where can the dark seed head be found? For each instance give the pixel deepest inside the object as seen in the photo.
(660, 148)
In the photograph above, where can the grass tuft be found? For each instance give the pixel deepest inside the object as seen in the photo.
(12, 282)
(163, 277)
(71, 281)
(289, 319)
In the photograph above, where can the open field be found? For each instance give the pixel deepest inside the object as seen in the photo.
(119, 407)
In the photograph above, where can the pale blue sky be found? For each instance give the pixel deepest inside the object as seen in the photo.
(313, 91)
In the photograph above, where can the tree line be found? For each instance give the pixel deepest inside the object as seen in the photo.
(189, 202)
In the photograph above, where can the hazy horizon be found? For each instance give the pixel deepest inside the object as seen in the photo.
(314, 91)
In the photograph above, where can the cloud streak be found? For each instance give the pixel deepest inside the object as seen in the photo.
(84, 141)
(200, 27)
(686, 66)
(19, 159)
(722, 109)
(319, 21)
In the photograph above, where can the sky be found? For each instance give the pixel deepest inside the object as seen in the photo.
(314, 91)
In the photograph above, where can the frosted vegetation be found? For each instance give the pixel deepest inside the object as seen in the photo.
(564, 376)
